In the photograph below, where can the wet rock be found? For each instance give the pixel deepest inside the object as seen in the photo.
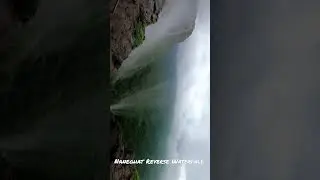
(124, 14)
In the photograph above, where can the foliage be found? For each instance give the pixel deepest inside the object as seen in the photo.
(136, 175)
(138, 34)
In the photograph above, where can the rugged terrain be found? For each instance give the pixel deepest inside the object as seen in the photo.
(128, 19)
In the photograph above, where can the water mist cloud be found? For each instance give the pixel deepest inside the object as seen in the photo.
(193, 98)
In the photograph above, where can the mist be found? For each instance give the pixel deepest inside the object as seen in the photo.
(190, 133)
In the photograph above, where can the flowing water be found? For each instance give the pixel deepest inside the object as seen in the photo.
(153, 85)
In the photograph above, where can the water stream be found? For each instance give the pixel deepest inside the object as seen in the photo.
(159, 77)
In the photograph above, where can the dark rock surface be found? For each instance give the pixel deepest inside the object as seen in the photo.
(124, 14)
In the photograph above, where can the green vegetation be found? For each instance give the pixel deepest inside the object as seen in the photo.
(135, 126)
(136, 175)
(138, 34)
(139, 131)
(141, 126)
(144, 125)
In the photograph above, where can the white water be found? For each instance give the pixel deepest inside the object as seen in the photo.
(191, 129)
(146, 98)
(191, 120)
(175, 24)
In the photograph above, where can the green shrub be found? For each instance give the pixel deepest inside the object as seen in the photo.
(138, 34)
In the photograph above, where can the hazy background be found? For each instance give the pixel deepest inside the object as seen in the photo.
(265, 88)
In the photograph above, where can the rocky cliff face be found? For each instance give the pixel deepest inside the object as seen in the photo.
(124, 16)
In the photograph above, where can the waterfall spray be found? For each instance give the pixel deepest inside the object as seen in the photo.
(151, 98)
(173, 27)
(144, 86)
